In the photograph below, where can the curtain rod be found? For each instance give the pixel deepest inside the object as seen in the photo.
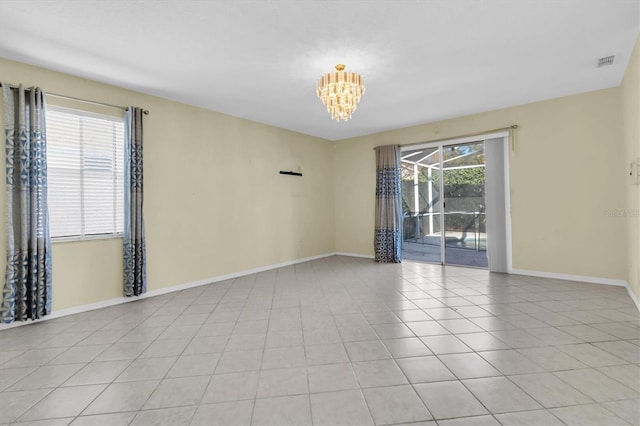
(512, 127)
(55, 95)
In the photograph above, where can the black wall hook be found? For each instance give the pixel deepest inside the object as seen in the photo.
(284, 172)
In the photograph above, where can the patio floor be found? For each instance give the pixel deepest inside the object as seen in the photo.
(460, 250)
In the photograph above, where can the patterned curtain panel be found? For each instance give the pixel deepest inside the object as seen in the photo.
(135, 262)
(27, 288)
(388, 234)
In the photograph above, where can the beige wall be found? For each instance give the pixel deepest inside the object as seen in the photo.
(214, 201)
(215, 204)
(566, 174)
(631, 116)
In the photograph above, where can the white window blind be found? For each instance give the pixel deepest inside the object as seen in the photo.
(85, 173)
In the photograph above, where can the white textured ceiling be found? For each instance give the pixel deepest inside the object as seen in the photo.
(422, 60)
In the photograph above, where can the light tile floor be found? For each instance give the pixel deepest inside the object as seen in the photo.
(336, 341)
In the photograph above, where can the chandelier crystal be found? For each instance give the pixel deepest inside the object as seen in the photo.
(340, 91)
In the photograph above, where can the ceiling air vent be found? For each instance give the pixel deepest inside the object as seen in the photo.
(607, 60)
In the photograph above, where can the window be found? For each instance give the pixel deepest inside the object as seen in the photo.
(85, 173)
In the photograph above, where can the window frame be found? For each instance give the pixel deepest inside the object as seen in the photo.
(83, 236)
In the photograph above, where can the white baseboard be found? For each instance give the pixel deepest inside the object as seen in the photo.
(569, 277)
(565, 277)
(233, 275)
(364, 256)
(633, 296)
(160, 291)
(581, 278)
(192, 284)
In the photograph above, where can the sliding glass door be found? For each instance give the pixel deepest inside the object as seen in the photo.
(421, 205)
(443, 200)
(464, 204)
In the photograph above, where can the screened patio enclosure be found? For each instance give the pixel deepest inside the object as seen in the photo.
(443, 203)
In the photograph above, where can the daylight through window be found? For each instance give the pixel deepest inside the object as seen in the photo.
(85, 173)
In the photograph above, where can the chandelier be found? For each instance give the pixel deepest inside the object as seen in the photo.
(340, 91)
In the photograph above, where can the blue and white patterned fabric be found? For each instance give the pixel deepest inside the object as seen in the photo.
(135, 257)
(27, 288)
(388, 225)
